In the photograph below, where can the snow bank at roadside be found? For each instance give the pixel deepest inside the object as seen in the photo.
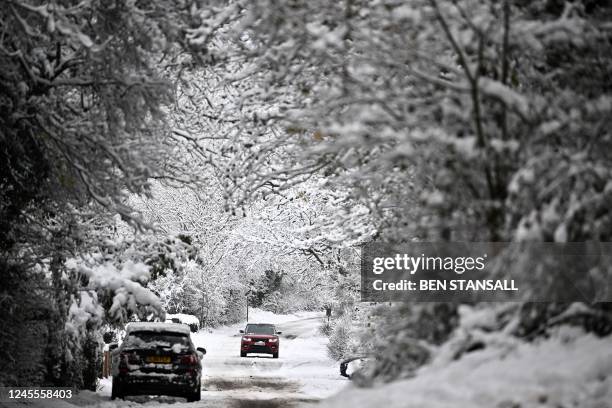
(570, 369)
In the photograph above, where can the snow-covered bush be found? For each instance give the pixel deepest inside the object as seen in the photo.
(402, 336)
(326, 328)
(24, 324)
(341, 338)
(347, 318)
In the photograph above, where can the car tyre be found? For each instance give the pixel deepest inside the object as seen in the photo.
(243, 354)
(195, 395)
(275, 355)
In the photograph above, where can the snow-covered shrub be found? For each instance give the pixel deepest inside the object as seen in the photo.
(25, 312)
(326, 328)
(401, 336)
(341, 338)
(273, 302)
(290, 299)
(265, 289)
(236, 306)
(347, 317)
(83, 338)
(536, 319)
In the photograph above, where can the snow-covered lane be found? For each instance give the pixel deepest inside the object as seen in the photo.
(302, 375)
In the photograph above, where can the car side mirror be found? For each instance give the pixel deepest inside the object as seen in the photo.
(279, 332)
(112, 346)
(201, 350)
(241, 331)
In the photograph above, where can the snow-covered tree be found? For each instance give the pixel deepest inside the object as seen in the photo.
(298, 237)
(448, 120)
(82, 125)
(440, 116)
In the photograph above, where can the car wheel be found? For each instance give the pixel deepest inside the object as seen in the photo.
(275, 355)
(116, 390)
(243, 354)
(195, 394)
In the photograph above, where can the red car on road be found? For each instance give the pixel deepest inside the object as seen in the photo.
(259, 338)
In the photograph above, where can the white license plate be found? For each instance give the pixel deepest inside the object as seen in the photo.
(260, 343)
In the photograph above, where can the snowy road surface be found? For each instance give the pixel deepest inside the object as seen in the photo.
(301, 375)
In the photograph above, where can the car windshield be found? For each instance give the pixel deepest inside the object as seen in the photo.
(259, 329)
(153, 339)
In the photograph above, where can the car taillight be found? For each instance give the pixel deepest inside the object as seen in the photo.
(190, 359)
(122, 363)
(131, 358)
(125, 359)
(272, 340)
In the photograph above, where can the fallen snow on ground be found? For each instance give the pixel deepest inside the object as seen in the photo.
(303, 373)
(303, 370)
(570, 369)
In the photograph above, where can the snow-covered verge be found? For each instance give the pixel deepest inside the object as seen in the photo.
(569, 369)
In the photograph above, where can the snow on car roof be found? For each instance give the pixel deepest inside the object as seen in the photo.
(158, 327)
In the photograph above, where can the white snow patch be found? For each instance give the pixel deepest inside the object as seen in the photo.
(560, 371)
(157, 326)
(303, 357)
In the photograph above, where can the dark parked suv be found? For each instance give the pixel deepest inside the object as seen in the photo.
(157, 359)
(259, 338)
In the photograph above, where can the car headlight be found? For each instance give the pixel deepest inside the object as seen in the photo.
(246, 339)
(272, 340)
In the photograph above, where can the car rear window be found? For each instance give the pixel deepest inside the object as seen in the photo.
(153, 339)
(259, 329)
